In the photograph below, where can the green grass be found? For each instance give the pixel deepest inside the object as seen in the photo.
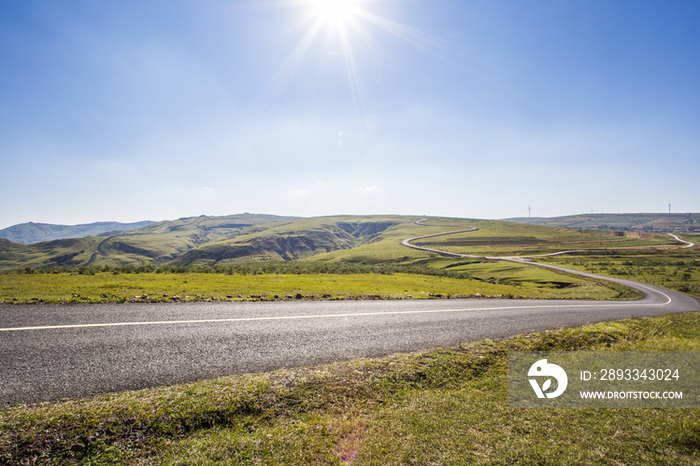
(443, 406)
(513, 239)
(517, 281)
(677, 269)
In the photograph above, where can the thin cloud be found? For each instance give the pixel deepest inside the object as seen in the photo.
(300, 192)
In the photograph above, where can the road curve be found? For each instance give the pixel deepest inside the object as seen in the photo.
(56, 351)
(407, 243)
(649, 291)
(687, 243)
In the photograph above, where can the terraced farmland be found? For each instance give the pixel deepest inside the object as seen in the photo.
(493, 238)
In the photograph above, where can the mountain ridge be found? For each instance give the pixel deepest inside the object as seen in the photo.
(157, 243)
(243, 238)
(32, 233)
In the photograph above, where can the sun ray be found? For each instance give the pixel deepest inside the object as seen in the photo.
(345, 21)
(284, 74)
(334, 11)
(356, 87)
(419, 39)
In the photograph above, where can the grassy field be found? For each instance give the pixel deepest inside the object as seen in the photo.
(491, 280)
(677, 269)
(512, 239)
(443, 406)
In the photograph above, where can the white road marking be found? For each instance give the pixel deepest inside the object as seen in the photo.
(325, 316)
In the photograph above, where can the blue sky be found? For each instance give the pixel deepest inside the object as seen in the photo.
(121, 110)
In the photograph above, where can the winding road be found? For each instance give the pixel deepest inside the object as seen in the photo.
(408, 243)
(51, 352)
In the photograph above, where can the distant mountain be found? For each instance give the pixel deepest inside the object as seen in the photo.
(644, 222)
(204, 241)
(29, 233)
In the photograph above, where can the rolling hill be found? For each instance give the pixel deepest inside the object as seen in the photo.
(236, 239)
(292, 240)
(155, 243)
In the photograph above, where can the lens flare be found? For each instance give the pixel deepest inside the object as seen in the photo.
(351, 27)
(334, 11)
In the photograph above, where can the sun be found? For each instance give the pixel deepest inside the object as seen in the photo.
(334, 11)
(350, 27)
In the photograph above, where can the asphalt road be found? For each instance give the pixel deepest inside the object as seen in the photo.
(56, 351)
